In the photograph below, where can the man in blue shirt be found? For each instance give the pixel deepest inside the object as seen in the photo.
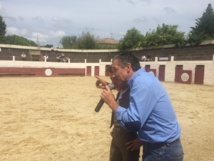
(125, 145)
(150, 112)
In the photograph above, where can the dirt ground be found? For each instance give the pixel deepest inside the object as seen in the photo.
(53, 119)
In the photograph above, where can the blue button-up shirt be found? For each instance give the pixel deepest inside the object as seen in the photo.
(150, 110)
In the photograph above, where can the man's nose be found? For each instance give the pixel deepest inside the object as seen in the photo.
(113, 75)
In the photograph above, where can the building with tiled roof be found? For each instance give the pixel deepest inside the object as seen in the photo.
(107, 41)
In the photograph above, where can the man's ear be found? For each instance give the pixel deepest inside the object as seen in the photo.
(129, 67)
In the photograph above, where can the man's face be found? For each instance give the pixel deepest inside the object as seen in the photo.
(119, 73)
(118, 85)
(115, 81)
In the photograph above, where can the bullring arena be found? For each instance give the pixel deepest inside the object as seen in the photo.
(47, 111)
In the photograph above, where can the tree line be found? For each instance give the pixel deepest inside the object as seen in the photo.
(164, 34)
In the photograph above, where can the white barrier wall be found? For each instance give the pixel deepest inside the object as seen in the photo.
(169, 67)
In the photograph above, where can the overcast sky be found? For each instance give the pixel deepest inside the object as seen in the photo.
(50, 20)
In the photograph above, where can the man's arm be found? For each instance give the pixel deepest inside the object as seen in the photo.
(107, 94)
(109, 98)
(100, 83)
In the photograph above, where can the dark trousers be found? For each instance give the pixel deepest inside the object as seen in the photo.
(118, 151)
(163, 151)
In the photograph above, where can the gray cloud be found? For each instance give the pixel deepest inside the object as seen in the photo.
(140, 20)
(59, 23)
(38, 19)
(134, 2)
(16, 31)
(10, 18)
(156, 20)
(21, 18)
(1, 9)
(169, 10)
(131, 1)
(57, 20)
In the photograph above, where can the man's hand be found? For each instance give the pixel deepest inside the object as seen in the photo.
(134, 144)
(109, 99)
(100, 83)
(111, 133)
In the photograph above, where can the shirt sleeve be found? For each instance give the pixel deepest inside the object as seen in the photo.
(140, 107)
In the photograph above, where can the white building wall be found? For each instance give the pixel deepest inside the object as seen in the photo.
(170, 72)
(209, 74)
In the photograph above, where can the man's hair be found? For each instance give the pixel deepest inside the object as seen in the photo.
(125, 58)
(109, 69)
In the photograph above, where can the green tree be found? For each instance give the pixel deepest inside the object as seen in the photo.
(2, 30)
(68, 42)
(18, 40)
(163, 35)
(131, 40)
(48, 45)
(204, 28)
(86, 41)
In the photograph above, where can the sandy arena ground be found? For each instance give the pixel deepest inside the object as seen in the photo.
(53, 119)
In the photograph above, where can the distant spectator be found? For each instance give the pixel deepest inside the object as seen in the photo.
(52, 49)
(58, 57)
(67, 59)
(46, 57)
(148, 57)
(143, 58)
(62, 57)
(23, 56)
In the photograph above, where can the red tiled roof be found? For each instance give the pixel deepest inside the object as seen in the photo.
(107, 41)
